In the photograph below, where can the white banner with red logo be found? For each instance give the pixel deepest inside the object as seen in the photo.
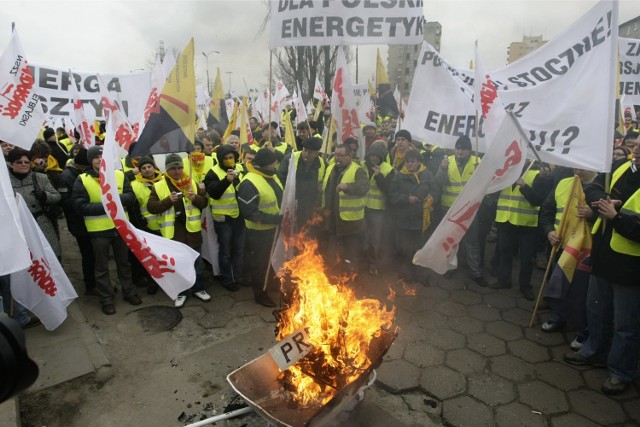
(14, 252)
(21, 114)
(500, 167)
(43, 288)
(344, 108)
(169, 263)
(562, 93)
(323, 22)
(283, 248)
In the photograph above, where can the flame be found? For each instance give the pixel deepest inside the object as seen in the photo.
(340, 326)
(408, 290)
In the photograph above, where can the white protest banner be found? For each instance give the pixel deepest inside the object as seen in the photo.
(14, 252)
(563, 94)
(54, 88)
(283, 248)
(500, 167)
(85, 129)
(630, 70)
(43, 287)
(344, 22)
(21, 114)
(169, 263)
(343, 105)
(210, 245)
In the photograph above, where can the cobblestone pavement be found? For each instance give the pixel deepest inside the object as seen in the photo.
(464, 356)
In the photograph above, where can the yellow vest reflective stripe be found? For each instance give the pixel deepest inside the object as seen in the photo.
(167, 219)
(561, 194)
(142, 192)
(514, 208)
(227, 204)
(351, 207)
(281, 148)
(268, 201)
(457, 181)
(321, 171)
(102, 222)
(374, 198)
(619, 243)
(614, 178)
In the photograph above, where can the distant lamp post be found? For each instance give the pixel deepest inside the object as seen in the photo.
(206, 55)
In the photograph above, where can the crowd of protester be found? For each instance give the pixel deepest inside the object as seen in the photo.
(368, 214)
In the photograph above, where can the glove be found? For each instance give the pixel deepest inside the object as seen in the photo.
(40, 195)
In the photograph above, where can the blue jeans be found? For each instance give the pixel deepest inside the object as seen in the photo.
(231, 235)
(20, 313)
(613, 316)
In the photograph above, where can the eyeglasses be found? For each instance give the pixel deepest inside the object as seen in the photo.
(22, 162)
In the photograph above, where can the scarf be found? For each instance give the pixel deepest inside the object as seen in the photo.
(52, 164)
(157, 177)
(183, 184)
(265, 175)
(415, 174)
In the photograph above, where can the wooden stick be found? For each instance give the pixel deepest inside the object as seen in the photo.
(554, 251)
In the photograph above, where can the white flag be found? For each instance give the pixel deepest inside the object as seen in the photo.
(169, 263)
(343, 105)
(486, 100)
(43, 287)
(318, 91)
(21, 115)
(301, 112)
(283, 249)
(14, 253)
(210, 246)
(500, 167)
(279, 98)
(87, 133)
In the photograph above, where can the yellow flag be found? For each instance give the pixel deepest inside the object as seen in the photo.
(381, 72)
(372, 88)
(244, 136)
(232, 122)
(217, 107)
(327, 143)
(574, 232)
(289, 137)
(316, 114)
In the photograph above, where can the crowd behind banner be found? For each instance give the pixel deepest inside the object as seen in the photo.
(369, 215)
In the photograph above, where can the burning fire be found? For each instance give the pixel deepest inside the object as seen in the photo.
(340, 326)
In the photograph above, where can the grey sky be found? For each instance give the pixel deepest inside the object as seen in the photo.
(118, 36)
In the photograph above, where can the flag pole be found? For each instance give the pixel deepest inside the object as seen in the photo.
(270, 84)
(561, 229)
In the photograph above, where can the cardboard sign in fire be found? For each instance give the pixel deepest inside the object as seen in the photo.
(563, 94)
(291, 349)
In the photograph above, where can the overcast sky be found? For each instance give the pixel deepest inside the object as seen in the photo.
(121, 36)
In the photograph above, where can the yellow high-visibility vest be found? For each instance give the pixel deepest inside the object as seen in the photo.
(227, 204)
(619, 243)
(101, 222)
(268, 201)
(167, 219)
(514, 208)
(457, 181)
(296, 158)
(374, 198)
(142, 192)
(351, 207)
(561, 194)
(614, 178)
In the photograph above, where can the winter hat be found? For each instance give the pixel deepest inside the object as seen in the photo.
(369, 125)
(312, 143)
(463, 143)
(146, 160)
(403, 134)
(413, 154)
(173, 160)
(264, 157)
(48, 133)
(93, 152)
(81, 158)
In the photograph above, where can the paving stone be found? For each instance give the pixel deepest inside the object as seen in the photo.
(397, 350)
(434, 293)
(594, 377)
(633, 409)
(465, 411)
(544, 338)
(512, 368)
(517, 316)
(445, 339)
(504, 330)
(422, 355)
(491, 389)
(419, 401)
(466, 297)
(558, 352)
(442, 382)
(217, 320)
(542, 397)
(596, 406)
(571, 420)
(465, 325)
(558, 374)
(486, 344)
(526, 305)
(484, 313)
(529, 351)
(404, 317)
(500, 301)
(450, 308)
(413, 304)
(431, 320)
(398, 376)
(466, 361)
(516, 414)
